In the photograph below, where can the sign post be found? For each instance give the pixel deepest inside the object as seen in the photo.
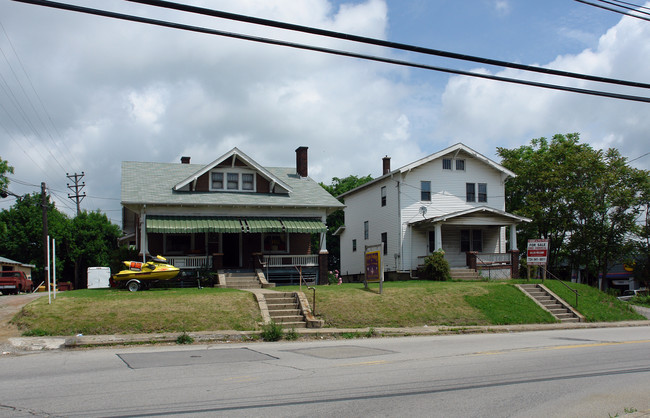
(374, 266)
(537, 254)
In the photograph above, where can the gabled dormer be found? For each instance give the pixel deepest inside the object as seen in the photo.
(233, 172)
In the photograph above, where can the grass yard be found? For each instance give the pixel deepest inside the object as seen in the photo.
(418, 303)
(112, 311)
(402, 304)
(595, 305)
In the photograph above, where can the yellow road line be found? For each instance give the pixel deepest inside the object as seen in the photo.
(561, 347)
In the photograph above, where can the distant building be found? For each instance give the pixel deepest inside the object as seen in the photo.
(11, 265)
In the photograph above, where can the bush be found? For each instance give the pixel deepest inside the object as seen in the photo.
(435, 267)
(272, 332)
(184, 338)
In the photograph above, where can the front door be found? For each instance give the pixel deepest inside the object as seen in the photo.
(231, 251)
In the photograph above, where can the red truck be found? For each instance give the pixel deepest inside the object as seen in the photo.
(14, 282)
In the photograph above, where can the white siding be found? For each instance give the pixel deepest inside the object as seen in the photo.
(448, 195)
(366, 206)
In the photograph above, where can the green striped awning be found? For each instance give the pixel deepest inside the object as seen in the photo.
(196, 224)
(304, 225)
(189, 224)
(264, 225)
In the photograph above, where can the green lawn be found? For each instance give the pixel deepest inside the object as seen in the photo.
(402, 304)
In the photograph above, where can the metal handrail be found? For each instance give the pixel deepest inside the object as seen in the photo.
(564, 284)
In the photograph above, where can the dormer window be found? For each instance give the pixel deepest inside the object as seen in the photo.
(232, 180)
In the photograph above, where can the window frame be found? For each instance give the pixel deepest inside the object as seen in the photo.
(425, 195)
(470, 192)
(366, 230)
(383, 196)
(227, 178)
(354, 245)
(384, 242)
(460, 164)
(447, 164)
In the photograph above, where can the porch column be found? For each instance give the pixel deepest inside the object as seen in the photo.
(438, 236)
(144, 245)
(513, 237)
(514, 264)
(323, 236)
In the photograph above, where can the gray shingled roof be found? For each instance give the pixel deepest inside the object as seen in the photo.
(152, 184)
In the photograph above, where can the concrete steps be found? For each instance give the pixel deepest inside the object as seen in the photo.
(464, 274)
(284, 309)
(242, 281)
(550, 302)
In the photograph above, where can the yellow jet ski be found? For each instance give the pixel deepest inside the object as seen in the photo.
(138, 275)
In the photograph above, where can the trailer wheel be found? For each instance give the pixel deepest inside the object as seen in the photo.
(133, 285)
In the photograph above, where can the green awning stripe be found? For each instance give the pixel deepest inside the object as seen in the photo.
(304, 226)
(196, 224)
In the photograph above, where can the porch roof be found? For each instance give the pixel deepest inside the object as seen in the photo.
(494, 214)
(195, 224)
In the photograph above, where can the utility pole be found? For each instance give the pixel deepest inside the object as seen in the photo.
(76, 188)
(45, 233)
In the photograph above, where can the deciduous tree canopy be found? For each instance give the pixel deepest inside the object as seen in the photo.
(585, 201)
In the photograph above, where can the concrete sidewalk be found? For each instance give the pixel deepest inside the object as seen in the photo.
(20, 345)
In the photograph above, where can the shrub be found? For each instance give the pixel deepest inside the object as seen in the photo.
(272, 332)
(291, 335)
(435, 267)
(184, 338)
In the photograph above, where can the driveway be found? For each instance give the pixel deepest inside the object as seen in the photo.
(10, 305)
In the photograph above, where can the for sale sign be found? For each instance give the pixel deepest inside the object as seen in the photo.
(537, 252)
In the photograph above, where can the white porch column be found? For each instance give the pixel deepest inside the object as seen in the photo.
(513, 237)
(438, 236)
(323, 237)
(144, 244)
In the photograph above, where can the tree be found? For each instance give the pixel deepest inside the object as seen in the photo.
(22, 236)
(4, 181)
(584, 201)
(336, 219)
(93, 243)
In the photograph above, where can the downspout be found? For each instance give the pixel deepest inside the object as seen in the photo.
(399, 223)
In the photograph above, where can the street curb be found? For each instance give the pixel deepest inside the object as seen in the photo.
(230, 336)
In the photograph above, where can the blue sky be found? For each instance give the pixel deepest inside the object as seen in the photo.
(84, 93)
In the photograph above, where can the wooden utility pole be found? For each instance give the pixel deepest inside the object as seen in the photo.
(76, 188)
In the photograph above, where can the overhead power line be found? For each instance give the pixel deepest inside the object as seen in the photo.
(383, 43)
(619, 11)
(199, 29)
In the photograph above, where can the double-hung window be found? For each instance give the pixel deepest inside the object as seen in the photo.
(366, 230)
(233, 181)
(247, 182)
(217, 181)
(425, 191)
(460, 165)
(383, 195)
(384, 242)
(470, 192)
(446, 163)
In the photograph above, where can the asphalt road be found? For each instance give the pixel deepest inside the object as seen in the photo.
(562, 373)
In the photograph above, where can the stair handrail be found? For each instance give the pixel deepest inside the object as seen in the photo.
(563, 284)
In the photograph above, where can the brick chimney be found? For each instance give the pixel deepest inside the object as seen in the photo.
(301, 161)
(185, 160)
(386, 161)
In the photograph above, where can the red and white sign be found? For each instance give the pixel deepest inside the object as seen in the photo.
(537, 252)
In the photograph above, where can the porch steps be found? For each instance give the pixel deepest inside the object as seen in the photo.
(284, 309)
(464, 274)
(242, 281)
(553, 304)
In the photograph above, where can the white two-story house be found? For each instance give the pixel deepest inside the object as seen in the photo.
(453, 200)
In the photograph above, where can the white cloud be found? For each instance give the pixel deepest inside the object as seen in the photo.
(487, 114)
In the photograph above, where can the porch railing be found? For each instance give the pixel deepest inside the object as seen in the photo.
(190, 262)
(290, 260)
(494, 266)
